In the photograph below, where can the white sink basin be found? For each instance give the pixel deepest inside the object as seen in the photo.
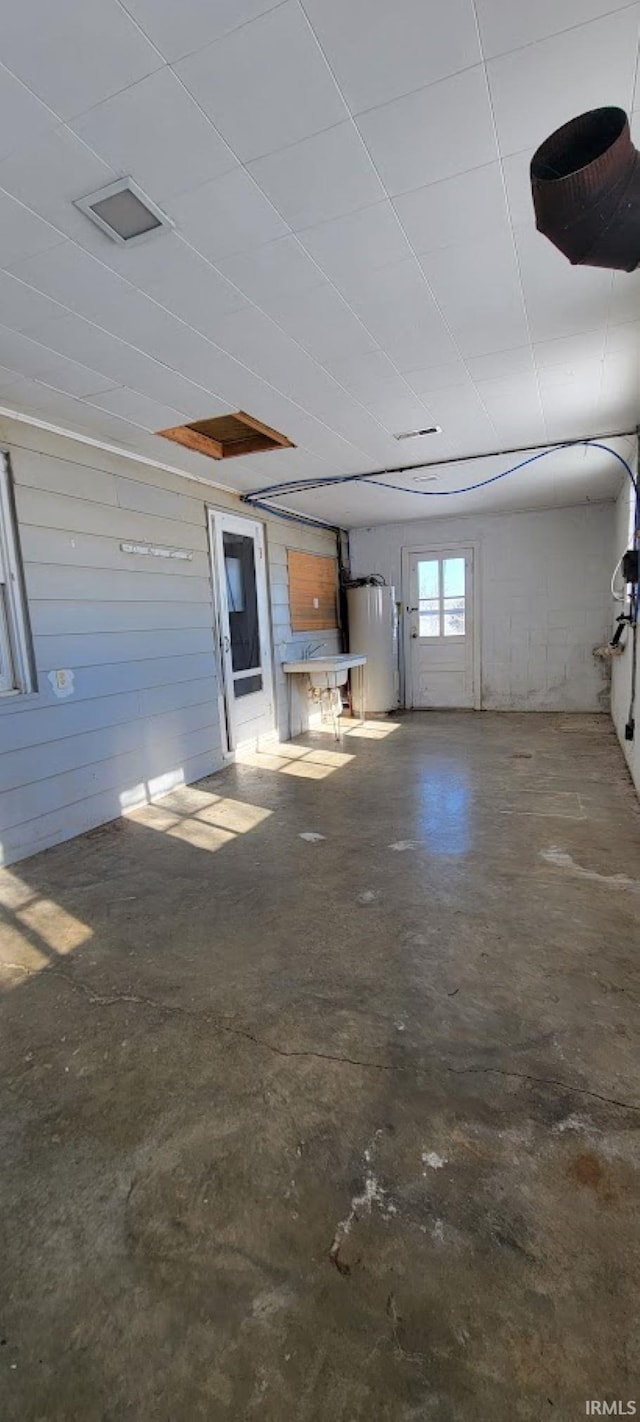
(325, 672)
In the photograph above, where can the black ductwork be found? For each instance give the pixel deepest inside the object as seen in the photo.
(585, 181)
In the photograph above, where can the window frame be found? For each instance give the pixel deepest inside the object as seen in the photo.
(15, 629)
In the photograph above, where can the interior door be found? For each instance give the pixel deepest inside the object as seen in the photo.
(439, 618)
(243, 623)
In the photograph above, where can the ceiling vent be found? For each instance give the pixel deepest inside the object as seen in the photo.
(414, 434)
(124, 212)
(227, 436)
(585, 181)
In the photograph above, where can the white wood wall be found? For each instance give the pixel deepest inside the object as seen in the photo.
(136, 631)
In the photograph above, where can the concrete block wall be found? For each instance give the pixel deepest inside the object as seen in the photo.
(137, 634)
(543, 594)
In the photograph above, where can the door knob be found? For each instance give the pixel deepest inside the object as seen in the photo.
(414, 633)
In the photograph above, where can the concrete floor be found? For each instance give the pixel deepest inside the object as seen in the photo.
(339, 1128)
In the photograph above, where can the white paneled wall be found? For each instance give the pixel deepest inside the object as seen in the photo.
(543, 593)
(136, 632)
(621, 666)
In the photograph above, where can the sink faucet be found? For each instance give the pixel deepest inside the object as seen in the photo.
(311, 647)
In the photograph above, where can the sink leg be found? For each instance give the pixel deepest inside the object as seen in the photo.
(358, 698)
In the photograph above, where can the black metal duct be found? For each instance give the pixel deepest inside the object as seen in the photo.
(585, 181)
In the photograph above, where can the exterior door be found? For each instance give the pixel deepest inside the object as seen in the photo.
(237, 546)
(439, 620)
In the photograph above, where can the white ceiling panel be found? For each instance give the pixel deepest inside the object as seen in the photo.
(323, 323)
(557, 307)
(437, 377)
(23, 118)
(514, 406)
(517, 180)
(90, 345)
(181, 28)
(477, 287)
(379, 51)
(368, 239)
(372, 380)
(22, 233)
(431, 134)
(265, 85)
(25, 355)
(625, 297)
(228, 216)
(176, 276)
(588, 345)
(139, 410)
(49, 175)
(273, 273)
(22, 308)
(500, 365)
(623, 339)
(445, 212)
(505, 27)
(320, 178)
(72, 55)
(156, 132)
(9, 379)
(537, 88)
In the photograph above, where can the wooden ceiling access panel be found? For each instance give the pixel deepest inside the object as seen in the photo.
(313, 591)
(226, 436)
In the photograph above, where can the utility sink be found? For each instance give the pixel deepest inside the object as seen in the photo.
(325, 672)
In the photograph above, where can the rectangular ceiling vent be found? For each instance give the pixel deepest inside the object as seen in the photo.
(123, 211)
(226, 436)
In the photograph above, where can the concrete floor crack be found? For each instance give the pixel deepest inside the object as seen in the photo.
(545, 1081)
(132, 999)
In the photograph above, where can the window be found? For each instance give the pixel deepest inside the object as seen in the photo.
(16, 667)
(441, 597)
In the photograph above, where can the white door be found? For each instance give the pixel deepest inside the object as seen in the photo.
(440, 632)
(240, 577)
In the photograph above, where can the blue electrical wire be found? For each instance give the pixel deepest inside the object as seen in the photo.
(301, 485)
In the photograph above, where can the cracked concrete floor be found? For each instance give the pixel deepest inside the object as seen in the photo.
(332, 1128)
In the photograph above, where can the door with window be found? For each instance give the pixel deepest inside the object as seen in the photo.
(237, 546)
(440, 633)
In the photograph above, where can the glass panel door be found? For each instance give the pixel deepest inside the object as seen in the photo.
(242, 605)
(243, 627)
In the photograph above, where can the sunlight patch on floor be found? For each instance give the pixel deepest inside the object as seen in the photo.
(200, 818)
(291, 759)
(35, 931)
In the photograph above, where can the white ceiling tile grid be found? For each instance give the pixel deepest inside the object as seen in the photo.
(354, 248)
(155, 130)
(320, 178)
(265, 85)
(73, 54)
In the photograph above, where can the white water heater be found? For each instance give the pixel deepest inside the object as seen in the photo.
(373, 629)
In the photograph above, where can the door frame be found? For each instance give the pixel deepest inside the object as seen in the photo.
(436, 550)
(225, 692)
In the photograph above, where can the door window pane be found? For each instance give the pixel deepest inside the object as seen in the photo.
(429, 624)
(453, 619)
(246, 685)
(428, 579)
(453, 577)
(242, 602)
(235, 585)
